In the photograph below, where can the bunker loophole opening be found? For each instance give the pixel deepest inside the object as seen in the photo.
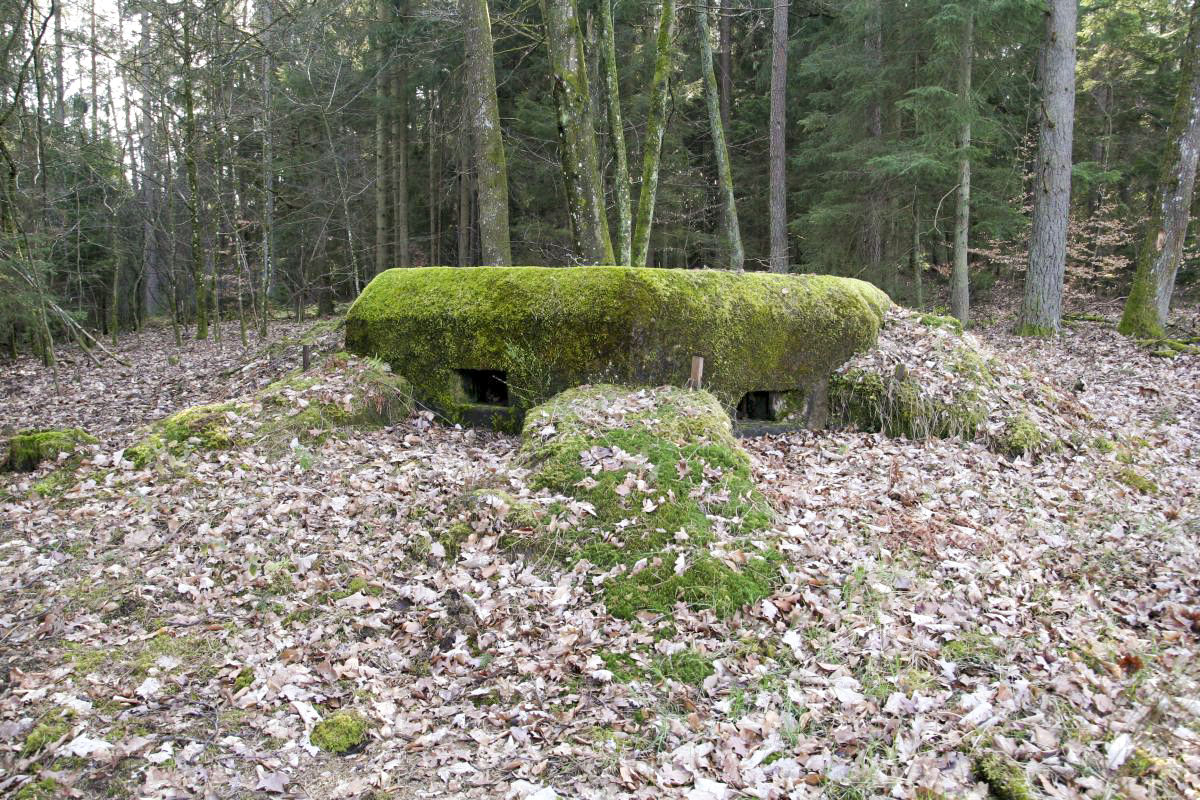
(764, 405)
(485, 386)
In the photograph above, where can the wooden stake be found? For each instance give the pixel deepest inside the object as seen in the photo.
(697, 378)
(306, 356)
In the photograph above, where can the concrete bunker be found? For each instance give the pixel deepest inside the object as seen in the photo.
(481, 345)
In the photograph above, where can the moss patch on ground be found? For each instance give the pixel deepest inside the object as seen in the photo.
(927, 378)
(548, 329)
(663, 494)
(28, 449)
(340, 733)
(341, 392)
(1004, 777)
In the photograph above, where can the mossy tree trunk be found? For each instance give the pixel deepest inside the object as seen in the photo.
(483, 116)
(778, 138)
(576, 132)
(655, 127)
(731, 232)
(1149, 299)
(725, 61)
(1041, 311)
(616, 125)
(960, 297)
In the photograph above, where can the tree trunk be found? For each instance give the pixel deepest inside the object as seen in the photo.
(400, 142)
(616, 126)
(655, 127)
(873, 54)
(730, 230)
(960, 302)
(725, 61)
(268, 168)
(576, 133)
(1041, 311)
(483, 113)
(778, 138)
(464, 207)
(190, 147)
(382, 249)
(1162, 248)
(915, 256)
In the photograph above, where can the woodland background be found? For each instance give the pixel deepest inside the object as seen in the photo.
(182, 159)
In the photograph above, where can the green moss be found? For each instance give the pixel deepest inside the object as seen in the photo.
(202, 427)
(244, 678)
(686, 666)
(1020, 436)
(356, 584)
(1004, 777)
(340, 733)
(622, 666)
(971, 649)
(1036, 331)
(938, 321)
(49, 729)
(1135, 480)
(44, 789)
(656, 479)
(871, 402)
(28, 449)
(552, 328)
(1102, 444)
(376, 398)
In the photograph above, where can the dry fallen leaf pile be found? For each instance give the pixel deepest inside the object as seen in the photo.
(178, 631)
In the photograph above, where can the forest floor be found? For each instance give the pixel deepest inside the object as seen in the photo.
(177, 630)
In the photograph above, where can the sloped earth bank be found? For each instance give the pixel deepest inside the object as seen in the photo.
(943, 612)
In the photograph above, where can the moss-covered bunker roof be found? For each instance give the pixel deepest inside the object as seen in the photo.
(548, 329)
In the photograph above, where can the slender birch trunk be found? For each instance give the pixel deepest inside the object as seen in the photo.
(616, 126)
(655, 127)
(730, 231)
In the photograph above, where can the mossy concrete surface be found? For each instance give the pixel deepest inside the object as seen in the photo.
(549, 329)
(664, 494)
(28, 449)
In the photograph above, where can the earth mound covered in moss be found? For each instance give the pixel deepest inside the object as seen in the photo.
(663, 500)
(27, 449)
(342, 391)
(484, 345)
(926, 377)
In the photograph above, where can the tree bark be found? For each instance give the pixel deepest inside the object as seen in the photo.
(400, 140)
(268, 169)
(725, 61)
(873, 53)
(730, 230)
(576, 133)
(382, 241)
(655, 127)
(616, 126)
(778, 139)
(1149, 300)
(483, 113)
(190, 148)
(960, 301)
(1041, 310)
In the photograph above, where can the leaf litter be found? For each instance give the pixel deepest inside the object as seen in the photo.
(179, 630)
